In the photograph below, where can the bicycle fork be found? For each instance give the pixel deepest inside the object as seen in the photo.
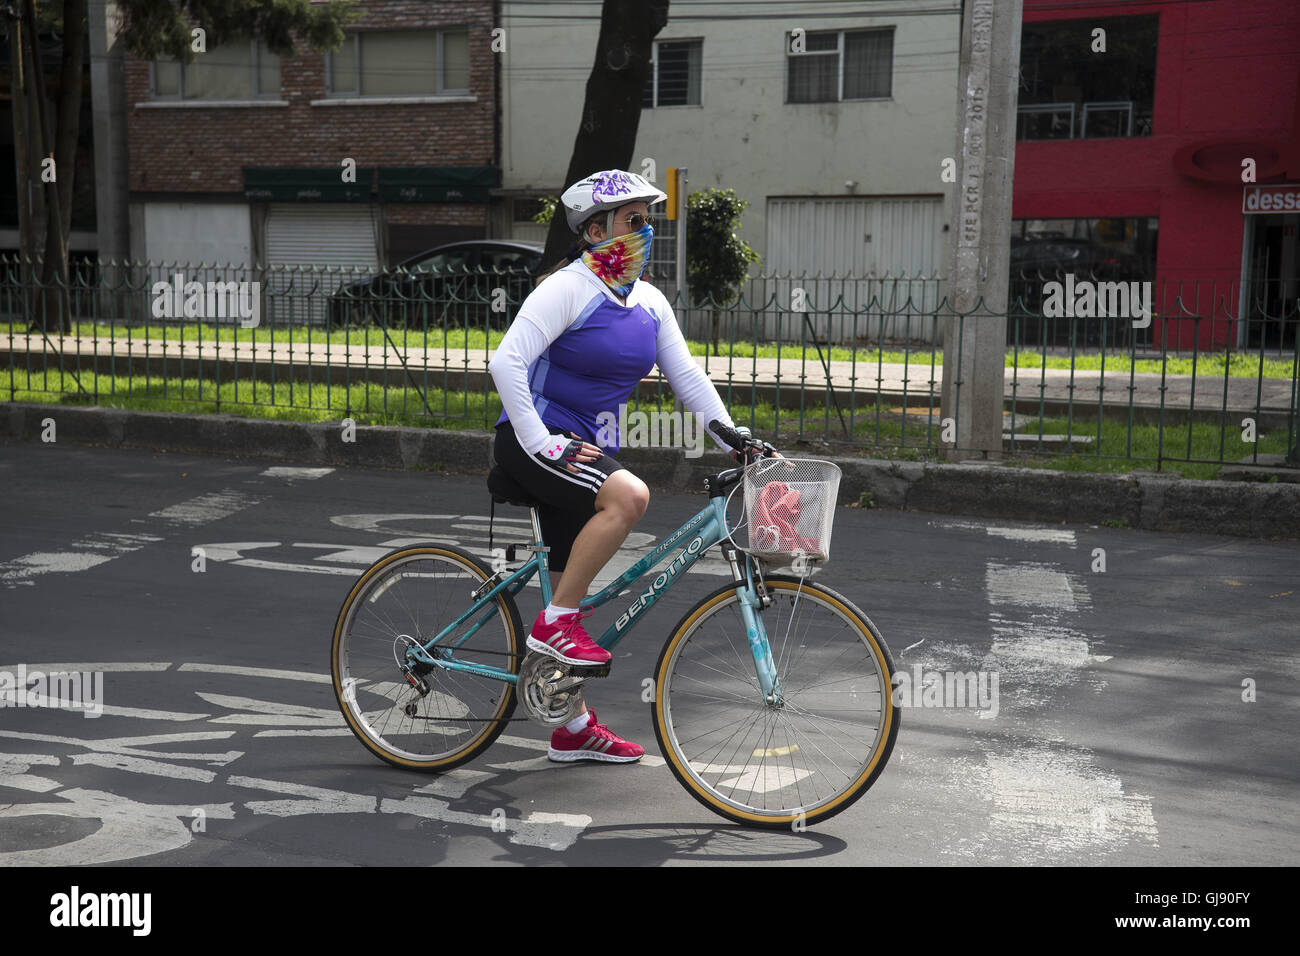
(753, 599)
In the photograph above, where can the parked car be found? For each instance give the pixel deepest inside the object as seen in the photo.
(453, 283)
(1047, 257)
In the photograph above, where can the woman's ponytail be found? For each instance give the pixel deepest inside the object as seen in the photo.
(575, 252)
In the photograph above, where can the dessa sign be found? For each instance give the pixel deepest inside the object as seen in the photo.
(1280, 198)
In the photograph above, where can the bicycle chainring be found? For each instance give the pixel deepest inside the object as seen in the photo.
(536, 671)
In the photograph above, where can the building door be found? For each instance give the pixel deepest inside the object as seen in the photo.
(311, 250)
(1273, 283)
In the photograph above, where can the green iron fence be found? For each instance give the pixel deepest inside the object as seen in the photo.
(1200, 374)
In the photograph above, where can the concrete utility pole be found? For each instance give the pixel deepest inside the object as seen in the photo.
(108, 96)
(979, 241)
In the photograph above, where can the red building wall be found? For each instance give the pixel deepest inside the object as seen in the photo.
(1227, 86)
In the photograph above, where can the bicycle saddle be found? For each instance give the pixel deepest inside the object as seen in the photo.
(505, 490)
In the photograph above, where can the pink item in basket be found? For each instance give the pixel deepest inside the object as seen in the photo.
(773, 523)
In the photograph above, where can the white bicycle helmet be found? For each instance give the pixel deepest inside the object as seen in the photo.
(606, 190)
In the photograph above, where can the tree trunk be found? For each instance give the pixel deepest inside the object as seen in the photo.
(611, 111)
(22, 148)
(69, 118)
(52, 302)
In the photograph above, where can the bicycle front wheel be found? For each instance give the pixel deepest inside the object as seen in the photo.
(797, 761)
(406, 597)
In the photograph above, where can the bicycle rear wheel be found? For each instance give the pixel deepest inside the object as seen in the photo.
(796, 762)
(409, 596)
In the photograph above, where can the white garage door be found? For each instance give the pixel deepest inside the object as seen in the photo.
(890, 248)
(189, 233)
(313, 249)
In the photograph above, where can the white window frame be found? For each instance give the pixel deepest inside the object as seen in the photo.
(839, 52)
(354, 38)
(1030, 109)
(179, 96)
(654, 75)
(1113, 106)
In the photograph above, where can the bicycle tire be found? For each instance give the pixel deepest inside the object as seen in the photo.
(352, 649)
(681, 708)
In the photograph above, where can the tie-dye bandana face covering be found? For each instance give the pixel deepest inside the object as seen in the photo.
(620, 260)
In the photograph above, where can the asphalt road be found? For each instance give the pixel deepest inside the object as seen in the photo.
(1144, 714)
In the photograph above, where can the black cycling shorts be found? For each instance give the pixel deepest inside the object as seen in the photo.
(568, 500)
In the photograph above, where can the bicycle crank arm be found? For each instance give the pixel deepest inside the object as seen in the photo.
(564, 686)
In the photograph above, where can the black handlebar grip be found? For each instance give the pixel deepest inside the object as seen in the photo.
(729, 435)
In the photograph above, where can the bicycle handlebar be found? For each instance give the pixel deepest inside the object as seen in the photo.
(742, 444)
(729, 435)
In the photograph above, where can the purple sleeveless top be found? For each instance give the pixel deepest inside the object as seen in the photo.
(593, 368)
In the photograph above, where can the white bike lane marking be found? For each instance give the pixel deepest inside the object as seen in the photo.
(89, 552)
(1044, 798)
(294, 472)
(100, 547)
(466, 531)
(130, 828)
(207, 508)
(1049, 796)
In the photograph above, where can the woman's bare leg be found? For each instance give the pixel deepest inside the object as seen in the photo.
(620, 504)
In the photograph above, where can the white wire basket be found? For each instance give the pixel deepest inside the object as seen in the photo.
(789, 509)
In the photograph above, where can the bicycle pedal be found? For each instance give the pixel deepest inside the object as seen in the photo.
(589, 670)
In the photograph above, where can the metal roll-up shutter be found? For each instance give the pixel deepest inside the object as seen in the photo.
(313, 249)
(890, 248)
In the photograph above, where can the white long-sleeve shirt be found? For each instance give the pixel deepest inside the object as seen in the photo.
(574, 353)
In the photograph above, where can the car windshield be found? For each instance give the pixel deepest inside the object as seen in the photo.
(440, 262)
(509, 258)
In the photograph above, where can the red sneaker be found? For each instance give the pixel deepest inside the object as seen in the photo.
(596, 742)
(566, 640)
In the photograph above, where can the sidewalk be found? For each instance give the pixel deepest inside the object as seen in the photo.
(989, 490)
(1056, 391)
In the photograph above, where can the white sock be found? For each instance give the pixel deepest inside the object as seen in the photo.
(578, 723)
(553, 611)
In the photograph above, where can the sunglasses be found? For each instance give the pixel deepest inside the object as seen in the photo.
(636, 220)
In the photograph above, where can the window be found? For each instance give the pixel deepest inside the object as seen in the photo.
(674, 74)
(244, 70)
(1068, 91)
(843, 65)
(405, 63)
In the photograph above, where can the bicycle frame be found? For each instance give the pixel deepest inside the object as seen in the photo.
(709, 527)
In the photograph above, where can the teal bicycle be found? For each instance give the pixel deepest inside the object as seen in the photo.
(772, 697)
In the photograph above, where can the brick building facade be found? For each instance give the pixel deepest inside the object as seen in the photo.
(258, 177)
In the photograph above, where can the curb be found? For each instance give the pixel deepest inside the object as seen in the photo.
(978, 489)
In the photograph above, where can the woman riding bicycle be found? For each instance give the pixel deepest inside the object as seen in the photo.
(581, 342)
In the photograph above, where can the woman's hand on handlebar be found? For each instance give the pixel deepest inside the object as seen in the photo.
(744, 446)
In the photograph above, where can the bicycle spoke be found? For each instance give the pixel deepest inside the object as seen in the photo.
(410, 600)
(803, 753)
